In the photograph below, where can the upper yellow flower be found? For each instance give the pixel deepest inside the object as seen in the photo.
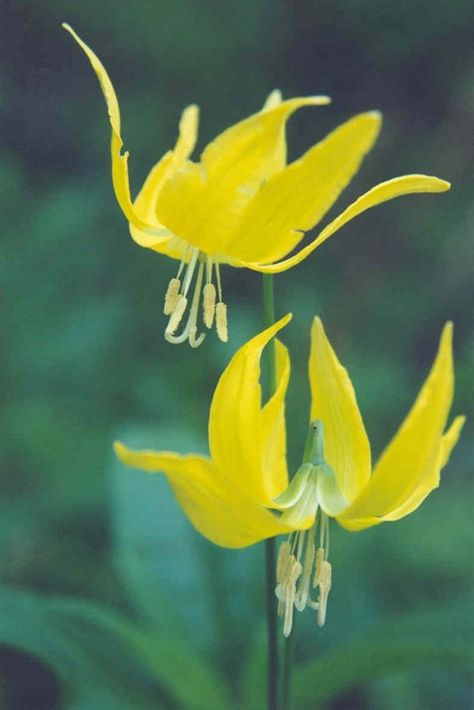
(229, 497)
(241, 204)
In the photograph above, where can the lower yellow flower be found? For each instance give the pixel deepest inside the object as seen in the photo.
(242, 494)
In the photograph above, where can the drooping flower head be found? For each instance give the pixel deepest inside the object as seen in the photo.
(242, 493)
(241, 204)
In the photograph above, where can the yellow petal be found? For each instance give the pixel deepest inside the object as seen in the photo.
(145, 202)
(279, 159)
(405, 185)
(409, 467)
(241, 435)
(448, 442)
(333, 401)
(273, 99)
(296, 199)
(203, 203)
(216, 508)
(120, 177)
(273, 427)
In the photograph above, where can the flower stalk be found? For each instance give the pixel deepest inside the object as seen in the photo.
(270, 555)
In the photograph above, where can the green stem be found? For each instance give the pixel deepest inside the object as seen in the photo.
(270, 556)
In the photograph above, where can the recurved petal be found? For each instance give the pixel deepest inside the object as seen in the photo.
(241, 435)
(333, 400)
(203, 203)
(145, 202)
(273, 428)
(188, 131)
(120, 177)
(279, 160)
(296, 198)
(216, 508)
(409, 467)
(405, 185)
(448, 441)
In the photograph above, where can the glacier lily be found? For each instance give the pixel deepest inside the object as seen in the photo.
(242, 494)
(241, 204)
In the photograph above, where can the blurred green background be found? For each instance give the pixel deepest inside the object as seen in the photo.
(84, 360)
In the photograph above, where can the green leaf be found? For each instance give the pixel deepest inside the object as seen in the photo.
(103, 659)
(434, 638)
(181, 582)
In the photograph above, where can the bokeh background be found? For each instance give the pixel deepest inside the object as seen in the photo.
(84, 542)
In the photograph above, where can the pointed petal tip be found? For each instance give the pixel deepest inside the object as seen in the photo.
(445, 185)
(428, 183)
(317, 326)
(447, 333)
(320, 100)
(375, 119)
(119, 448)
(285, 319)
(66, 26)
(375, 114)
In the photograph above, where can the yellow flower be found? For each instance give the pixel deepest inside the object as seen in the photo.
(231, 496)
(241, 204)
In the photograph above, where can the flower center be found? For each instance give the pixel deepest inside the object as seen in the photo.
(300, 566)
(176, 300)
(311, 497)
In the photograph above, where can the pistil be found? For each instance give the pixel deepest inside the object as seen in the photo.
(311, 496)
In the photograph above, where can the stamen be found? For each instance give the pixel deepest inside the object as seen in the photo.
(209, 304)
(192, 321)
(318, 564)
(303, 588)
(324, 588)
(282, 561)
(171, 296)
(221, 322)
(190, 329)
(178, 312)
(190, 271)
(174, 286)
(218, 279)
(290, 592)
(288, 571)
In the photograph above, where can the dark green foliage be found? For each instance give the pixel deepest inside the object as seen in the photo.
(83, 359)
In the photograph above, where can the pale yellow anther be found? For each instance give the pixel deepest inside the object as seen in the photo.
(177, 314)
(171, 296)
(318, 564)
(221, 322)
(282, 561)
(324, 588)
(209, 304)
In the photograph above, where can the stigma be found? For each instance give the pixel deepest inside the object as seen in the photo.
(206, 293)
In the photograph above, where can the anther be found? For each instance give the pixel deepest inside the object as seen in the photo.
(221, 322)
(318, 564)
(324, 588)
(171, 296)
(290, 589)
(177, 314)
(209, 304)
(282, 561)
